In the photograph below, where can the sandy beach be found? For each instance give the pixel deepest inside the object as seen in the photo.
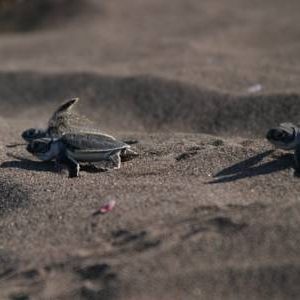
(209, 209)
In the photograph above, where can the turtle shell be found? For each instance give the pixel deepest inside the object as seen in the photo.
(91, 142)
(91, 147)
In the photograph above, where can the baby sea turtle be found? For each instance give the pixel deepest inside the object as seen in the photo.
(58, 124)
(287, 137)
(72, 148)
(64, 120)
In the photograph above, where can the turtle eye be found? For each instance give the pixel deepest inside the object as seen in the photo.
(283, 134)
(28, 133)
(279, 135)
(33, 132)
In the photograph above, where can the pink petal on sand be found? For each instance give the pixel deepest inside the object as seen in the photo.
(107, 207)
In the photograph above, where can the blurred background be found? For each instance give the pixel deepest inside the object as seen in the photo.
(26, 15)
(221, 67)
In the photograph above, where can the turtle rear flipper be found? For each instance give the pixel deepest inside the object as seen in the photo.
(116, 160)
(128, 154)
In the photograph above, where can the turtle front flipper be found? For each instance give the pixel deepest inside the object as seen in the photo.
(66, 106)
(72, 165)
(59, 121)
(297, 160)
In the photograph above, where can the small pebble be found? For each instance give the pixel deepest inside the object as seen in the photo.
(108, 207)
(255, 88)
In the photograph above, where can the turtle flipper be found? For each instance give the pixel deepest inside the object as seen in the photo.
(116, 160)
(65, 106)
(297, 160)
(128, 154)
(72, 165)
(59, 121)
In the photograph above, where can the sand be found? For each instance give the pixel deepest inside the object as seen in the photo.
(209, 210)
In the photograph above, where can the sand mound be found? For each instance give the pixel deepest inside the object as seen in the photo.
(26, 15)
(148, 103)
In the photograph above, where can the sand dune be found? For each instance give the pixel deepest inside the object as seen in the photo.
(149, 103)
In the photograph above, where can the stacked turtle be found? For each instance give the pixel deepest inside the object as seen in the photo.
(71, 144)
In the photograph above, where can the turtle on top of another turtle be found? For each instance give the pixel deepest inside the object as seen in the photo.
(287, 137)
(70, 144)
(58, 124)
(64, 120)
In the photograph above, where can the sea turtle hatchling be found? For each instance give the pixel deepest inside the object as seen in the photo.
(63, 121)
(287, 137)
(72, 148)
(58, 124)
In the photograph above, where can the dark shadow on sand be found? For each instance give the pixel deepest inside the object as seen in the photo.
(247, 168)
(27, 164)
(245, 164)
(42, 166)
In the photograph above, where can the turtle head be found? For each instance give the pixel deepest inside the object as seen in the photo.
(44, 148)
(33, 133)
(285, 136)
